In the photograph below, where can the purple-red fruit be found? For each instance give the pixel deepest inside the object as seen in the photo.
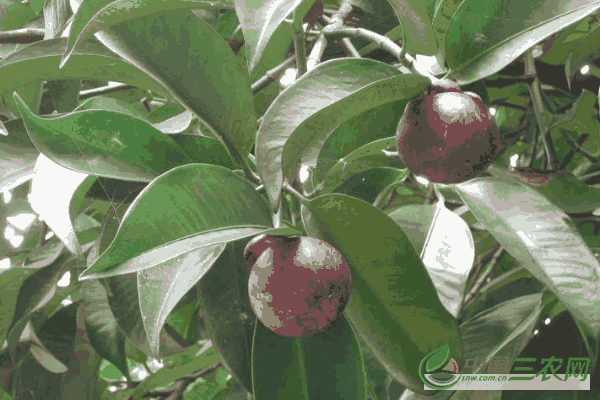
(300, 286)
(260, 243)
(447, 135)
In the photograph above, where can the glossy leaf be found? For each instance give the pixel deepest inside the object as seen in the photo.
(105, 335)
(197, 67)
(483, 32)
(393, 306)
(445, 244)
(229, 319)
(328, 364)
(369, 156)
(186, 201)
(368, 185)
(259, 20)
(36, 291)
(104, 143)
(204, 150)
(161, 287)
(565, 191)
(319, 101)
(418, 33)
(52, 190)
(124, 303)
(501, 331)
(96, 15)
(84, 364)
(18, 155)
(546, 242)
(39, 61)
(176, 124)
(582, 52)
(378, 123)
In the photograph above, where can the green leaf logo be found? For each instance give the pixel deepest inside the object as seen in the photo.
(437, 359)
(438, 370)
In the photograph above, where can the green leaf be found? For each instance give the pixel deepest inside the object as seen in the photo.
(36, 291)
(582, 52)
(543, 241)
(161, 287)
(305, 113)
(197, 67)
(194, 359)
(369, 156)
(328, 363)
(483, 32)
(17, 155)
(228, 316)
(176, 124)
(15, 14)
(394, 306)
(369, 184)
(104, 143)
(259, 20)
(105, 335)
(418, 33)
(185, 202)
(124, 302)
(204, 150)
(445, 244)
(371, 125)
(55, 195)
(39, 61)
(501, 331)
(96, 15)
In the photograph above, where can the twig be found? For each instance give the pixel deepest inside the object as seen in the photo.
(509, 81)
(300, 50)
(316, 53)
(349, 48)
(382, 42)
(272, 75)
(22, 36)
(294, 192)
(538, 107)
(507, 104)
(479, 284)
(86, 94)
(575, 148)
(175, 391)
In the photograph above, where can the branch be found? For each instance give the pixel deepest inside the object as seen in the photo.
(272, 75)
(382, 42)
(86, 94)
(509, 81)
(576, 148)
(538, 107)
(22, 36)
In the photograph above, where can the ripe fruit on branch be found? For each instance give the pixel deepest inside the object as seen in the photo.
(447, 135)
(298, 286)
